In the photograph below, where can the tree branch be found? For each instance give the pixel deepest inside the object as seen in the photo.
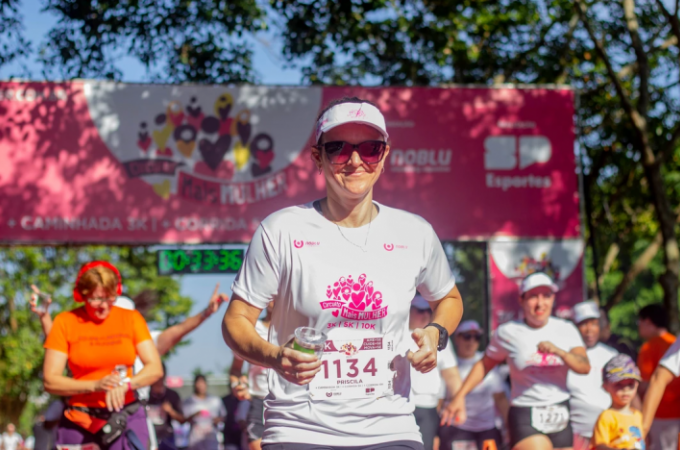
(638, 266)
(642, 61)
(671, 18)
(623, 97)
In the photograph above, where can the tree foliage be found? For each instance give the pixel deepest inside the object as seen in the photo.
(53, 270)
(176, 41)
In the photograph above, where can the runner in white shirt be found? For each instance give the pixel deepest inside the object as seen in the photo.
(349, 267)
(667, 370)
(427, 389)
(11, 440)
(255, 390)
(481, 403)
(204, 412)
(540, 351)
(588, 397)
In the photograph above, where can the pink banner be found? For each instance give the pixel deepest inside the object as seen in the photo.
(104, 162)
(509, 262)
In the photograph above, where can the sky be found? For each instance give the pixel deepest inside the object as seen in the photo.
(206, 349)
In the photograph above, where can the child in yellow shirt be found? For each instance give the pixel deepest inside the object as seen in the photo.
(619, 427)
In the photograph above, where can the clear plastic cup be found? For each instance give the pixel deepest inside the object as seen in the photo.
(41, 299)
(309, 340)
(122, 371)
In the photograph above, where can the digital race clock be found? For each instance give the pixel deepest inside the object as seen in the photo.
(187, 260)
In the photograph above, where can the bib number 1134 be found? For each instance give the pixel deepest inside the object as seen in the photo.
(350, 369)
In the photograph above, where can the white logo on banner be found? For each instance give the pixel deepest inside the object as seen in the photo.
(512, 152)
(421, 160)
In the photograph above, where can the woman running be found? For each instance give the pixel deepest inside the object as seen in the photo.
(100, 343)
(540, 351)
(256, 388)
(348, 267)
(482, 402)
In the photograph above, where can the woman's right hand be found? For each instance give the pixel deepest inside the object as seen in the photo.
(34, 303)
(108, 382)
(454, 413)
(297, 367)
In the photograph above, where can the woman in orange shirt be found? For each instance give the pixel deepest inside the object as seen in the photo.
(100, 343)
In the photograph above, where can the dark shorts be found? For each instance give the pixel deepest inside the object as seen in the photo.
(519, 425)
(482, 439)
(255, 420)
(428, 422)
(394, 445)
(68, 433)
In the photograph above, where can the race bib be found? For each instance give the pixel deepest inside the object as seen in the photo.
(354, 368)
(89, 446)
(464, 445)
(155, 414)
(550, 419)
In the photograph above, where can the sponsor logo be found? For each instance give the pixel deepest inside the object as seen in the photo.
(370, 390)
(356, 114)
(389, 247)
(354, 299)
(503, 153)
(329, 394)
(298, 244)
(421, 160)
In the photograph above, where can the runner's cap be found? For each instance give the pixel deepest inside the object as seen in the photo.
(469, 326)
(343, 113)
(124, 302)
(535, 280)
(585, 311)
(620, 367)
(420, 303)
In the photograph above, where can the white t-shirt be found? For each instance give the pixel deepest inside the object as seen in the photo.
(588, 397)
(257, 375)
(11, 442)
(479, 403)
(309, 266)
(538, 379)
(428, 388)
(671, 359)
(203, 434)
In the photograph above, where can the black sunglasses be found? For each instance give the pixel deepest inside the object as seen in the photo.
(340, 152)
(470, 336)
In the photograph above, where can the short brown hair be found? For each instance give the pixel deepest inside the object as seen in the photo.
(96, 277)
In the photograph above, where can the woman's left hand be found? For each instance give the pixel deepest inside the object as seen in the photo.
(115, 398)
(425, 359)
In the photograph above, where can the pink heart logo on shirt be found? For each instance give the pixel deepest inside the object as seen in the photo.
(335, 313)
(358, 297)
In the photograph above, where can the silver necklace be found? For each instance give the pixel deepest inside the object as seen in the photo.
(362, 248)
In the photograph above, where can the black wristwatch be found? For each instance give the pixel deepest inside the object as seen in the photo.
(443, 336)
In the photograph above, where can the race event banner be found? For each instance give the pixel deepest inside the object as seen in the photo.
(510, 261)
(106, 162)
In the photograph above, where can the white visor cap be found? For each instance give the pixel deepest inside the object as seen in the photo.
(124, 302)
(343, 113)
(586, 310)
(535, 280)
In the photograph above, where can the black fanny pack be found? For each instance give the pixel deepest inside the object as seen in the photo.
(116, 421)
